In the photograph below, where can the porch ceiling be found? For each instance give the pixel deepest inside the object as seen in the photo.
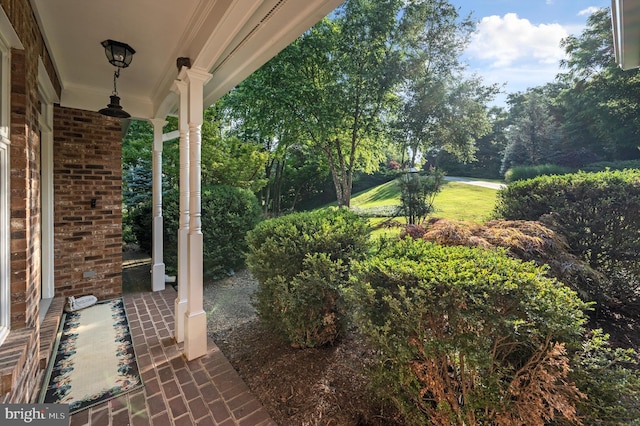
(228, 38)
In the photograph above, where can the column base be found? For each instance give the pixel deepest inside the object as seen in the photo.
(195, 335)
(158, 277)
(180, 311)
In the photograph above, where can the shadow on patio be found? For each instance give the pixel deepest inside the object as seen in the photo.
(205, 391)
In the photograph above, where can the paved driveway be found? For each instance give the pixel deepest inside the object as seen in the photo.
(484, 184)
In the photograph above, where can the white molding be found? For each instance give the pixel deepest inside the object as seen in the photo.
(5, 248)
(48, 97)
(7, 33)
(5, 88)
(8, 39)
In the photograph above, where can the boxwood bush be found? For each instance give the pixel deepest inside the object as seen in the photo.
(467, 335)
(597, 212)
(300, 261)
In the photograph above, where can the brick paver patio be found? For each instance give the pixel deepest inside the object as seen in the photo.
(206, 391)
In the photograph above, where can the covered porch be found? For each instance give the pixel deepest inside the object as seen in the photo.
(61, 180)
(182, 58)
(204, 391)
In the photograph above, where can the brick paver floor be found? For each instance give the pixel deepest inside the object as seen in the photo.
(205, 391)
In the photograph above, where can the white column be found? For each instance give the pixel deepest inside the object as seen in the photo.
(195, 326)
(157, 252)
(180, 88)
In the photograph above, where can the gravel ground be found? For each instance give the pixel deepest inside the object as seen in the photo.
(227, 302)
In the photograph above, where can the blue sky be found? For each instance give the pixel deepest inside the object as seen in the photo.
(517, 42)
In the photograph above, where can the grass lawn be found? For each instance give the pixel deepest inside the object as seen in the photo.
(455, 201)
(464, 202)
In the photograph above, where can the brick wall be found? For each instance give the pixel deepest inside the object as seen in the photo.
(19, 354)
(88, 240)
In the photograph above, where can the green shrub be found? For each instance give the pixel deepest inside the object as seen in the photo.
(300, 261)
(227, 214)
(610, 379)
(597, 212)
(466, 335)
(602, 166)
(139, 220)
(528, 172)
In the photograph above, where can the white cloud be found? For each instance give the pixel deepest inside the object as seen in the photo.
(505, 40)
(588, 11)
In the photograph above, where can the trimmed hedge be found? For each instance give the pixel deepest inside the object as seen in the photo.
(517, 173)
(467, 335)
(602, 166)
(597, 212)
(300, 261)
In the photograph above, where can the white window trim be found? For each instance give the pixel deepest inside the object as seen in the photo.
(5, 232)
(5, 276)
(48, 97)
(8, 39)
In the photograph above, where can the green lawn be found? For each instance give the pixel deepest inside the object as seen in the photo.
(455, 201)
(465, 202)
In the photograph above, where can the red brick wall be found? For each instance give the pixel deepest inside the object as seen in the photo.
(25, 164)
(88, 241)
(25, 209)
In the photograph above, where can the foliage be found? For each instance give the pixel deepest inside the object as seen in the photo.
(467, 335)
(334, 91)
(524, 240)
(527, 172)
(609, 377)
(139, 219)
(488, 155)
(597, 212)
(533, 134)
(417, 194)
(602, 166)
(225, 160)
(227, 214)
(136, 179)
(441, 109)
(136, 183)
(600, 100)
(300, 261)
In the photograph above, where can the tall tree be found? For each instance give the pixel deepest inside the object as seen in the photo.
(533, 134)
(601, 101)
(340, 82)
(347, 70)
(442, 110)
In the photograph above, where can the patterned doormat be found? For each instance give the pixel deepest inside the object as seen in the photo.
(94, 358)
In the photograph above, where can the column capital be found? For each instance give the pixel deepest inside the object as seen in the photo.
(157, 122)
(196, 75)
(180, 85)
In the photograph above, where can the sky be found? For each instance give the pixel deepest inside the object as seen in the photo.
(517, 42)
